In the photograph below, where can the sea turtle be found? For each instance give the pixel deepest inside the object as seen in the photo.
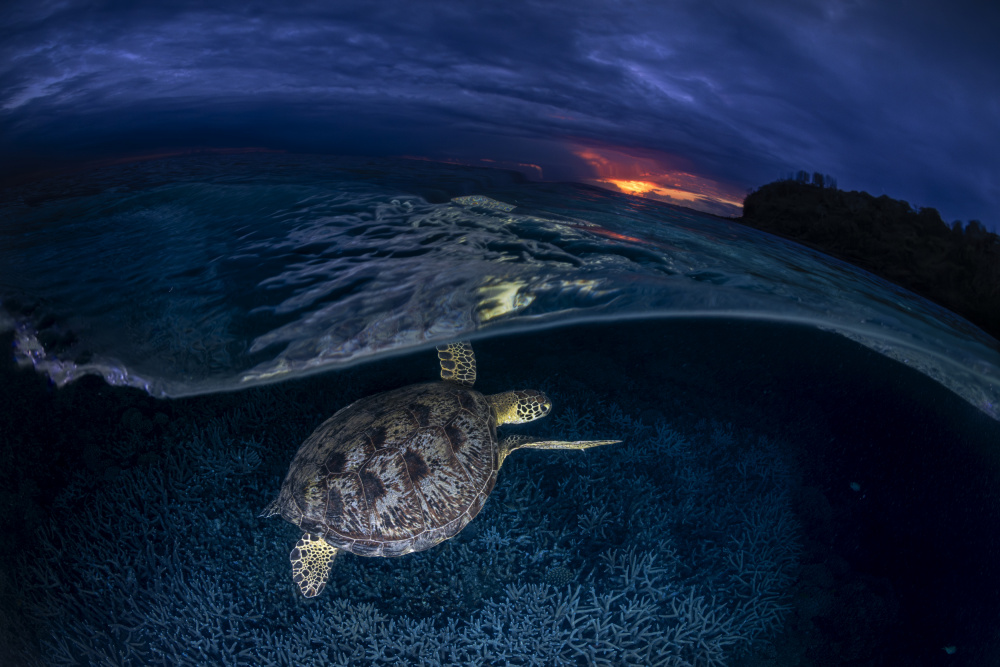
(403, 470)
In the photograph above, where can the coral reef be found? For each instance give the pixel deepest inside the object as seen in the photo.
(669, 549)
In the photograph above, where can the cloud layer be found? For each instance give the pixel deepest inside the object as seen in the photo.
(889, 98)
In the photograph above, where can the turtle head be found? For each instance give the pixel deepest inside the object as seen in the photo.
(518, 407)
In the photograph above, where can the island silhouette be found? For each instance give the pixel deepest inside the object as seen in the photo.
(956, 266)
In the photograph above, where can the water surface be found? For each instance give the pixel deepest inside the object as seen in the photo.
(206, 274)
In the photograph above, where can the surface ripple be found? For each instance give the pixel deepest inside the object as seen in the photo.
(205, 274)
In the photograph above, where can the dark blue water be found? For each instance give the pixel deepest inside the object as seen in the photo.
(807, 473)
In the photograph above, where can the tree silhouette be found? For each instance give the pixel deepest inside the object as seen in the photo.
(956, 267)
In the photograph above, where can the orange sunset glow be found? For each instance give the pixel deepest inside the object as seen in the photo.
(655, 176)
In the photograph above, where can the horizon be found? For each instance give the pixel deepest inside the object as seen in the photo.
(690, 104)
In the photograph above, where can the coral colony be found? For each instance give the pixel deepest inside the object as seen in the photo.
(668, 549)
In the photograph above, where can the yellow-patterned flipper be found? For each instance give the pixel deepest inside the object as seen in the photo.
(458, 363)
(311, 559)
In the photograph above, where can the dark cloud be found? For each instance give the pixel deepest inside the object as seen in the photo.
(896, 97)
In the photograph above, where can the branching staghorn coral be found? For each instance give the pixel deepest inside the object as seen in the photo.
(673, 550)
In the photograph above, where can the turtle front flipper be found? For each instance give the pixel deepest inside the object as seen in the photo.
(512, 442)
(311, 560)
(458, 363)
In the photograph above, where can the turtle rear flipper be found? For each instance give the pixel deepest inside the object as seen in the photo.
(311, 560)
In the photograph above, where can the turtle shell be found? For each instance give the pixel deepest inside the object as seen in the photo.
(396, 472)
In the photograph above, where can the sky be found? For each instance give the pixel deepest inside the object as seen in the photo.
(689, 101)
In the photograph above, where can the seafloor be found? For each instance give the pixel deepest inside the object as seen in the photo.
(782, 496)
